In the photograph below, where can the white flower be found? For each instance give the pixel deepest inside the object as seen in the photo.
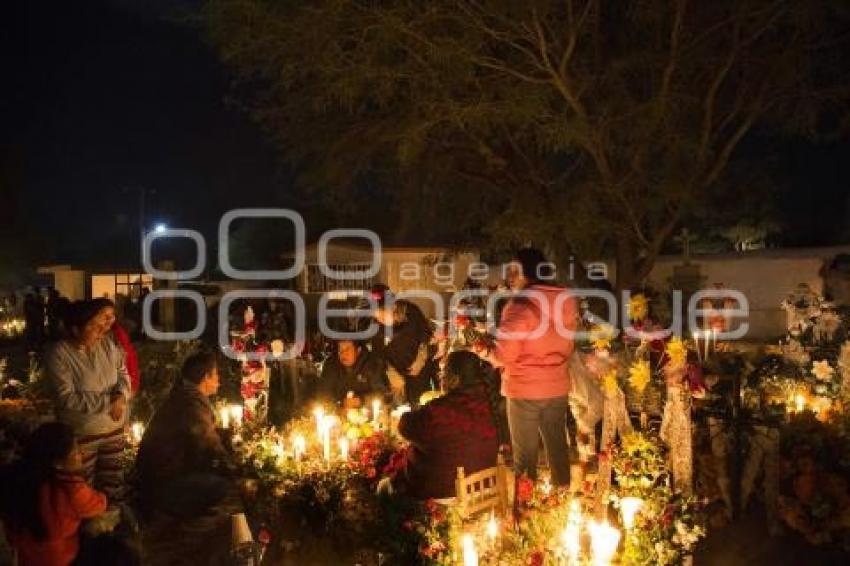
(822, 370)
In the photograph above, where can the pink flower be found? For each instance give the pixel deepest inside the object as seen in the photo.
(264, 536)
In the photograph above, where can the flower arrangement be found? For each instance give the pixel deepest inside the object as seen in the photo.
(668, 524)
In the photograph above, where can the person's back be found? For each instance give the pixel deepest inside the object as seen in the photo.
(456, 430)
(533, 342)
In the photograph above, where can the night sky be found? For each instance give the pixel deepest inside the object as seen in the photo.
(102, 97)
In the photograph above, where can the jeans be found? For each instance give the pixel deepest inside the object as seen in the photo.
(528, 419)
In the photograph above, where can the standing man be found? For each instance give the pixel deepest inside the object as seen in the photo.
(534, 343)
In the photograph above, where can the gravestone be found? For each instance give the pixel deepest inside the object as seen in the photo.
(836, 279)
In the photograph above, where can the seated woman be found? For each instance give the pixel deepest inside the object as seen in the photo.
(459, 429)
(353, 370)
(46, 499)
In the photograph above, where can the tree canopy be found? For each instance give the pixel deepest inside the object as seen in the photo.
(583, 126)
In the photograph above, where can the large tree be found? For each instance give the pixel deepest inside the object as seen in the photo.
(583, 126)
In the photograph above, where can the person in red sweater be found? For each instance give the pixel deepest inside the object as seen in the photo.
(459, 429)
(46, 499)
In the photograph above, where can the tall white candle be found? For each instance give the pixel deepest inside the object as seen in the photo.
(572, 533)
(629, 508)
(343, 448)
(137, 430)
(696, 344)
(319, 413)
(470, 555)
(604, 540)
(376, 412)
(224, 414)
(237, 413)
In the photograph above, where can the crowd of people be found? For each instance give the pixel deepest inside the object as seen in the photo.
(505, 399)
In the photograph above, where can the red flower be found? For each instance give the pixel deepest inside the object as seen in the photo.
(430, 506)
(237, 346)
(462, 321)
(480, 345)
(261, 349)
(408, 526)
(264, 536)
(524, 489)
(536, 558)
(371, 473)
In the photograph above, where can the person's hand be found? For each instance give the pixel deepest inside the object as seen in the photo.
(117, 407)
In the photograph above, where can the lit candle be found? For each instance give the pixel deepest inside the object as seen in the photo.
(572, 533)
(629, 507)
(696, 344)
(137, 430)
(326, 426)
(604, 540)
(237, 412)
(299, 446)
(343, 448)
(278, 451)
(224, 414)
(376, 412)
(492, 528)
(319, 413)
(470, 555)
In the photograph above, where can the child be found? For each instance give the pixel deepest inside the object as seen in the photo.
(46, 499)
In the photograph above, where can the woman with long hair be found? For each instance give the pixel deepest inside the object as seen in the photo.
(410, 365)
(45, 499)
(92, 388)
(463, 428)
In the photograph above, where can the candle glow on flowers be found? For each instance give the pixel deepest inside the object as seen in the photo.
(822, 370)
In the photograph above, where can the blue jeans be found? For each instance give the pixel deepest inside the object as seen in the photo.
(528, 420)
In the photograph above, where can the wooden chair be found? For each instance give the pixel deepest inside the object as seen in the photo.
(486, 490)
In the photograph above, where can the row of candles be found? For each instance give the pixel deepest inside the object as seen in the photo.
(709, 342)
(604, 539)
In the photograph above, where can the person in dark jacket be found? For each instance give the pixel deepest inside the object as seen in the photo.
(459, 429)
(353, 375)
(411, 369)
(187, 490)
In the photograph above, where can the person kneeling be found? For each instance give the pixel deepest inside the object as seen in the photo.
(186, 484)
(459, 429)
